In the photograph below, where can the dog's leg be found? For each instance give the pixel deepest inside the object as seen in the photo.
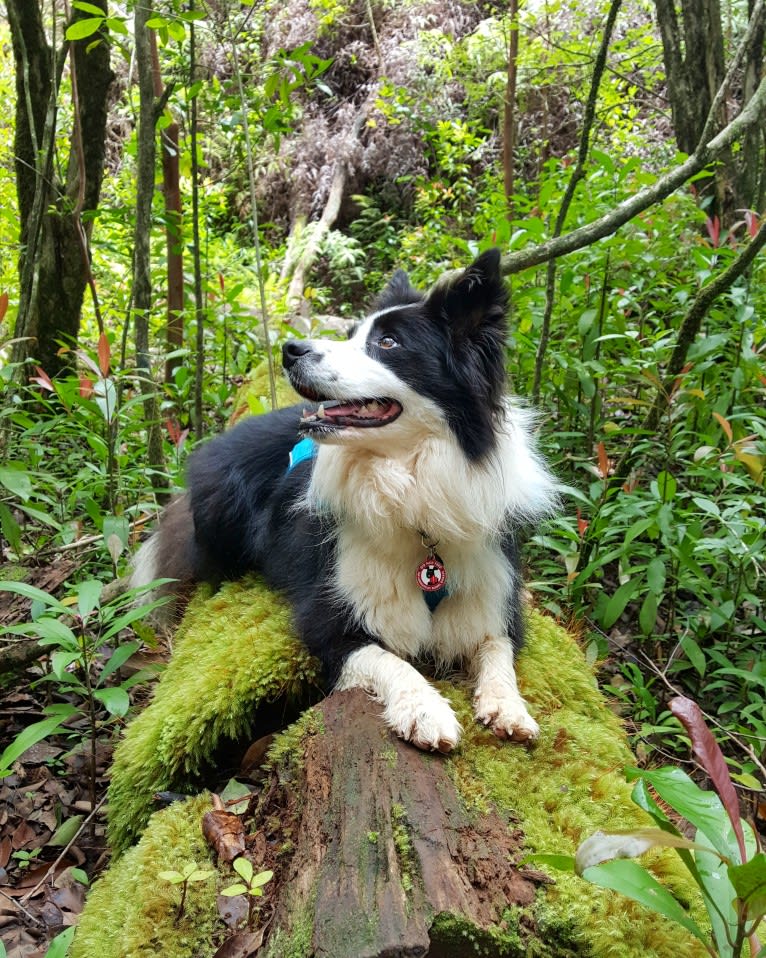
(497, 702)
(412, 707)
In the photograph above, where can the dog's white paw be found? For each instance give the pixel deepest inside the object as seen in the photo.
(423, 717)
(505, 713)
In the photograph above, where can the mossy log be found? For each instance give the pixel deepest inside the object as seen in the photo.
(377, 849)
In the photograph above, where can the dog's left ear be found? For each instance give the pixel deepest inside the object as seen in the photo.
(472, 298)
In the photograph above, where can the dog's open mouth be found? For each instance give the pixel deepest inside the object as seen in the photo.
(339, 414)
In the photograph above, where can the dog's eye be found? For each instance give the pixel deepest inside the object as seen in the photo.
(387, 342)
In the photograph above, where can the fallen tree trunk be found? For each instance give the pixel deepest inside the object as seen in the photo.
(377, 850)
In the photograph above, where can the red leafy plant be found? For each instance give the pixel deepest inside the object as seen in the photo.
(724, 858)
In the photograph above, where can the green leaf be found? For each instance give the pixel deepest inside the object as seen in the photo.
(605, 846)
(616, 604)
(81, 29)
(647, 617)
(60, 944)
(88, 8)
(236, 790)
(31, 735)
(117, 25)
(66, 831)
(10, 528)
(61, 660)
(201, 874)
(33, 593)
(749, 881)
(117, 659)
(115, 700)
(234, 890)
(632, 880)
(693, 653)
(244, 868)
(88, 596)
(655, 575)
(666, 486)
(175, 878)
(261, 878)
(16, 479)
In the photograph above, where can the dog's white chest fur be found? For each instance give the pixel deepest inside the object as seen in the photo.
(383, 503)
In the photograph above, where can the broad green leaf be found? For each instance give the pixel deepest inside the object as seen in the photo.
(48, 631)
(701, 808)
(666, 486)
(244, 868)
(66, 831)
(693, 653)
(31, 735)
(59, 947)
(261, 878)
(655, 575)
(616, 604)
(81, 29)
(115, 700)
(31, 592)
(61, 660)
(173, 877)
(88, 8)
(232, 890)
(16, 479)
(632, 880)
(88, 596)
(749, 881)
(10, 528)
(201, 874)
(235, 790)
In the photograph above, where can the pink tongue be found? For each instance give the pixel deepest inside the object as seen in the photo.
(350, 409)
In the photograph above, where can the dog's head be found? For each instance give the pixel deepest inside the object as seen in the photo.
(417, 364)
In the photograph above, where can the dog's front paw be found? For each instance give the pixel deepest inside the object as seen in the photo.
(423, 717)
(506, 715)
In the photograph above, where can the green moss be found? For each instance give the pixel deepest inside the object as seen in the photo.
(131, 911)
(235, 652)
(569, 785)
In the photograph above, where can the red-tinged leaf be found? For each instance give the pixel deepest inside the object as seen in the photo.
(3, 305)
(751, 221)
(104, 355)
(724, 424)
(586, 282)
(713, 227)
(582, 524)
(225, 833)
(711, 758)
(86, 387)
(221, 282)
(173, 431)
(43, 379)
(603, 461)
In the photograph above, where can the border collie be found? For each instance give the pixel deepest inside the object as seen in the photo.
(392, 525)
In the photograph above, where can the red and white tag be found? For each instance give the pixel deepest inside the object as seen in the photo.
(431, 574)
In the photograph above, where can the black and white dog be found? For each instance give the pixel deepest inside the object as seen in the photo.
(392, 524)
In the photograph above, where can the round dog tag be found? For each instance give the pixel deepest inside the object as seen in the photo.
(431, 574)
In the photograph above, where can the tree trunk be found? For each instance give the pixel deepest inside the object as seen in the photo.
(385, 844)
(54, 265)
(142, 286)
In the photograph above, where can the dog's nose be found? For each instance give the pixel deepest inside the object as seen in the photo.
(293, 350)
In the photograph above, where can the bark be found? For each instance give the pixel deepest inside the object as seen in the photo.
(54, 268)
(509, 108)
(385, 846)
(693, 50)
(142, 288)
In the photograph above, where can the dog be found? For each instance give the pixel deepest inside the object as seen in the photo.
(389, 511)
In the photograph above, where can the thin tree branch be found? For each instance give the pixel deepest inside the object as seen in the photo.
(610, 222)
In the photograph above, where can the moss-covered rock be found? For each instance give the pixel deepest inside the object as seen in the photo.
(235, 655)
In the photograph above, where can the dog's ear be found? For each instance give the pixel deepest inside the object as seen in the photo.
(399, 292)
(470, 299)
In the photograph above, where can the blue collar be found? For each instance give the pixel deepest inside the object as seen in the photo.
(303, 449)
